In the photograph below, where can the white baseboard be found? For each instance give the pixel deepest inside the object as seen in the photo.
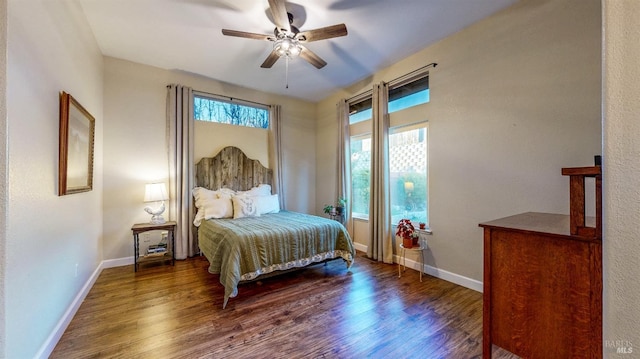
(453, 278)
(435, 272)
(119, 262)
(51, 342)
(443, 274)
(47, 348)
(360, 247)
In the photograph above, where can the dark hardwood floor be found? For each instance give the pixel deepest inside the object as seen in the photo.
(323, 311)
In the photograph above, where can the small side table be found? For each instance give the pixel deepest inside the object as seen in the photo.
(138, 228)
(403, 255)
(337, 217)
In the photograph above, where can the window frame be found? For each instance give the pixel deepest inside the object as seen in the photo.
(232, 101)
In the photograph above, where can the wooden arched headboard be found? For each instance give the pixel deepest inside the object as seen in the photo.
(231, 168)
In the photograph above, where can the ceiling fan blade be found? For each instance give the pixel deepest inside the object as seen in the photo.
(279, 13)
(312, 58)
(248, 35)
(322, 33)
(270, 60)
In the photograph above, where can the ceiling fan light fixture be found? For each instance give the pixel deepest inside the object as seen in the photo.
(287, 47)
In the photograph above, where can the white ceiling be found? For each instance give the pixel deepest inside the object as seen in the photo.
(186, 35)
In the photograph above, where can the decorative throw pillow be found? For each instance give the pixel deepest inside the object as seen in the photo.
(268, 204)
(218, 208)
(244, 206)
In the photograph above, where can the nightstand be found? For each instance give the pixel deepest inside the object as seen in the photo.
(163, 256)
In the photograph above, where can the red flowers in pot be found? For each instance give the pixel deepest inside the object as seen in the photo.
(408, 233)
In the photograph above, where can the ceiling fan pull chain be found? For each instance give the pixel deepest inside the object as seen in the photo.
(286, 71)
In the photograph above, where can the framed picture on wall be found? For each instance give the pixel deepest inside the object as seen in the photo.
(75, 164)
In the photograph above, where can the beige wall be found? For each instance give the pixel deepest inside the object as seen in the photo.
(621, 172)
(53, 244)
(136, 153)
(253, 141)
(3, 168)
(515, 98)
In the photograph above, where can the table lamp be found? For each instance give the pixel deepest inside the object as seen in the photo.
(408, 187)
(155, 192)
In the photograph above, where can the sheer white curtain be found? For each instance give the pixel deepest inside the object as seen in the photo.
(381, 242)
(344, 160)
(275, 151)
(181, 179)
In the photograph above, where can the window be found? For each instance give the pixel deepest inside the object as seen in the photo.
(411, 94)
(401, 97)
(360, 111)
(232, 112)
(360, 128)
(408, 173)
(408, 144)
(360, 175)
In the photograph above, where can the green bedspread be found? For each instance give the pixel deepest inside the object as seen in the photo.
(244, 248)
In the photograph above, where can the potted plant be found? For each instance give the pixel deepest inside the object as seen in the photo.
(330, 209)
(405, 230)
(340, 205)
(415, 237)
(337, 209)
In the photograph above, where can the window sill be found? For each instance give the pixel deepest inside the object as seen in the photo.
(426, 231)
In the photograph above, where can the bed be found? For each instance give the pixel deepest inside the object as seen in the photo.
(242, 231)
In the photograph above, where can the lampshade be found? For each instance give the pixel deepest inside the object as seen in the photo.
(408, 186)
(154, 192)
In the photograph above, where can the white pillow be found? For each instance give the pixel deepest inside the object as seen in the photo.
(244, 206)
(218, 208)
(199, 217)
(260, 190)
(267, 204)
(225, 193)
(263, 189)
(200, 194)
(212, 204)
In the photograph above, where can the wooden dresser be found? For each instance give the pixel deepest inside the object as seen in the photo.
(542, 293)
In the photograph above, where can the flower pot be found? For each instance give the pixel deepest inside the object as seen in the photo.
(407, 242)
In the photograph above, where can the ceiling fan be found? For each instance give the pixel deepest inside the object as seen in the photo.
(288, 40)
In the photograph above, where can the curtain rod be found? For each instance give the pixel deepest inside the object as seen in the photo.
(413, 73)
(360, 96)
(405, 76)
